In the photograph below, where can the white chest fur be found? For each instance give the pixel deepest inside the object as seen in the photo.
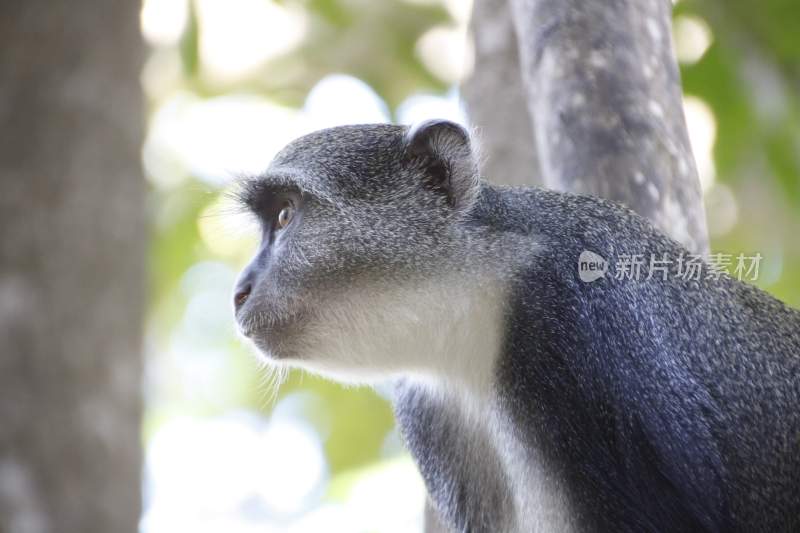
(540, 499)
(446, 334)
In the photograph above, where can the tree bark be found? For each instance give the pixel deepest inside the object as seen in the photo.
(71, 266)
(496, 99)
(605, 100)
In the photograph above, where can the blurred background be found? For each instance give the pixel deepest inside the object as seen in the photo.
(227, 84)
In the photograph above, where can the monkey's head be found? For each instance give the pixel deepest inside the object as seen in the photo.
(362, 232)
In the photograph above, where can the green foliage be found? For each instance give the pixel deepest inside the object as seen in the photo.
(772, 25)
(175, 246)
(750, 77)
(190, 44)
(373, 41)
(355, 421)
(714, 79)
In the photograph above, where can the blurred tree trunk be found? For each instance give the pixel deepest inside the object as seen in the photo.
(71, 266)
(496, 98)
(602, 90)
(605, 99)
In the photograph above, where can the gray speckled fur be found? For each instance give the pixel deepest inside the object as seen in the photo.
(657, 405)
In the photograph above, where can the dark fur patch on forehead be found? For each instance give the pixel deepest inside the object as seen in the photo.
(253, 192)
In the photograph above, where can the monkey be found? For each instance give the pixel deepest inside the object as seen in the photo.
(530, 399)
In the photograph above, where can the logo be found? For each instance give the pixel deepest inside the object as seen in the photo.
(591, 266)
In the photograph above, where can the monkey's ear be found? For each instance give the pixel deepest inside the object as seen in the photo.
(445, 155)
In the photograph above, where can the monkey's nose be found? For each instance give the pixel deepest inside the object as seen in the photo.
(241, 294)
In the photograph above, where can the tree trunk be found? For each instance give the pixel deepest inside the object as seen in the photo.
(496, 99)
(71, 266)
(604, 96)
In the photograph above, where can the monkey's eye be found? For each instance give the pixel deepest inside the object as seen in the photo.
(285, 215)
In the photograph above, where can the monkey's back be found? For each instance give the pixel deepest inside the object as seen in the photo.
(661, 401)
